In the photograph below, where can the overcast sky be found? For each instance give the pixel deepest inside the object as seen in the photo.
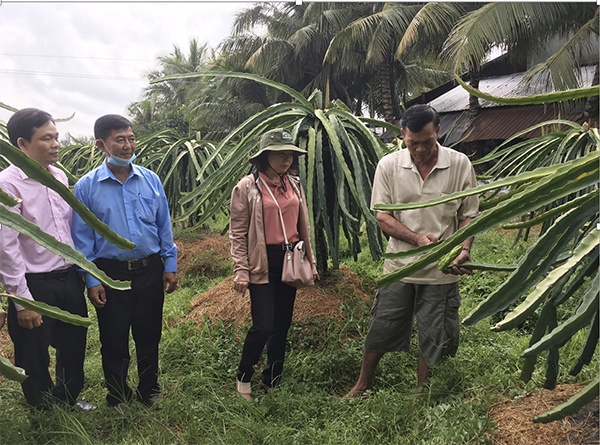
(91, 58)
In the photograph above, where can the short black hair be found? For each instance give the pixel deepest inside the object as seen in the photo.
(261, 162)
(106, 124)
(24, 122)
(417, 116)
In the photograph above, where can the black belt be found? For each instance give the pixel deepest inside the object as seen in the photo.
(289, 246)
(59, 274)
(129, 265)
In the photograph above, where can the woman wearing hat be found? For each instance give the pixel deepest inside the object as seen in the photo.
(258, 245)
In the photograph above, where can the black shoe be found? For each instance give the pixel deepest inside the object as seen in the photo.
(121, 407)
(85, 407)
(268, 389)
(154, 402)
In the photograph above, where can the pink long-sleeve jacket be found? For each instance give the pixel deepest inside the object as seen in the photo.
(247, 233)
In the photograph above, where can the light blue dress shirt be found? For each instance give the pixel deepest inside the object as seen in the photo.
(136, 210)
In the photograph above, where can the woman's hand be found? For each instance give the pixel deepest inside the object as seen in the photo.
(241, 287)
(316, 277)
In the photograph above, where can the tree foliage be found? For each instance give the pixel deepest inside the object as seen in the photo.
(525, 29)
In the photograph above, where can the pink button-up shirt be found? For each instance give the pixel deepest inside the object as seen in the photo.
(44, 207)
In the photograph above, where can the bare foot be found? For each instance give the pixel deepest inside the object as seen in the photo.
(355, 393)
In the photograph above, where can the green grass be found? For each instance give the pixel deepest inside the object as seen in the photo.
(322, 364)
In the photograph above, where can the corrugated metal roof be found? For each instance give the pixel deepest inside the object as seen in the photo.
(453, 126)
(504, 122)
(457, 99)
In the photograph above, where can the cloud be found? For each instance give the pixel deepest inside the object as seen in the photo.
(96, 55)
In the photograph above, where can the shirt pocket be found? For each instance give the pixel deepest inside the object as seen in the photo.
(449, 208)
(147, 209)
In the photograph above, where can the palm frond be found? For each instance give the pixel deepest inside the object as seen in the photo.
(502, 23)
(561, 70)
(433, 19)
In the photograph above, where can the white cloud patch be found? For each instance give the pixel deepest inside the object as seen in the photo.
(98, 53)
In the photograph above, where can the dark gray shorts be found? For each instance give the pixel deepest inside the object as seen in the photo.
(436, 310)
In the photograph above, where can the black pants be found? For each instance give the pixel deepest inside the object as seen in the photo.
(139, 310)
(272, 306)
(66, 291)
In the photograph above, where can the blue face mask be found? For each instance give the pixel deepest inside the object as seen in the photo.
(120, 162)
(117, 161)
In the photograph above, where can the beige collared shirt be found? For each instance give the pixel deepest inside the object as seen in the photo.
(397, 181)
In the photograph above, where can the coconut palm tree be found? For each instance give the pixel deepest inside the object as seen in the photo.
(281, 42)
(166, 95)
(223, 104)
(524, 30)
(385, 39)
(141, 114)
(293, 41)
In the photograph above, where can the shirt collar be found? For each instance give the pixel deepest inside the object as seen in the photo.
(53, 171)
(443, 158)
(106, 173)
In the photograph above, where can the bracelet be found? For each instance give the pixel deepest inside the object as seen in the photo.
(468, 250)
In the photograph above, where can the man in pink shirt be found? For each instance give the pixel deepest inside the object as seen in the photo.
(31, 271)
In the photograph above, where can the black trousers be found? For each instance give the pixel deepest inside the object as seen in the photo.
(272, 307)
(139, 310)
(66, 291)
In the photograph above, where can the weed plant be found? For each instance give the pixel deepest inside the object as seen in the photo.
(322, 364)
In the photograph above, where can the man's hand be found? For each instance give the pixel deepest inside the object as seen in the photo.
(29, 319)
(97, 296)
(424, 240)
(169, 282)
(241, 287)
(2, 319)
(463, 257)
(396, 229)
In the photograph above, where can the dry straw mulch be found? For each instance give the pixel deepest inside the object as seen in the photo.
(6, 348)
(516, 427)
(202, 256)
(323, 299)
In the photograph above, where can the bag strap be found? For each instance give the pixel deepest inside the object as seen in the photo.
(277, 204)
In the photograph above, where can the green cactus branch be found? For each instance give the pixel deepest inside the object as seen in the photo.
(49, 311)
(34, 170)
(536, 99)
(27, 228)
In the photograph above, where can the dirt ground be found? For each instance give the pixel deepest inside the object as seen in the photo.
(514, 417)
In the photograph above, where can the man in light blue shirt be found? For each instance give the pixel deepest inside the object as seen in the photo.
(131, 200)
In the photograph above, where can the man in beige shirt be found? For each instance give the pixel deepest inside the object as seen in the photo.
(424, 171)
